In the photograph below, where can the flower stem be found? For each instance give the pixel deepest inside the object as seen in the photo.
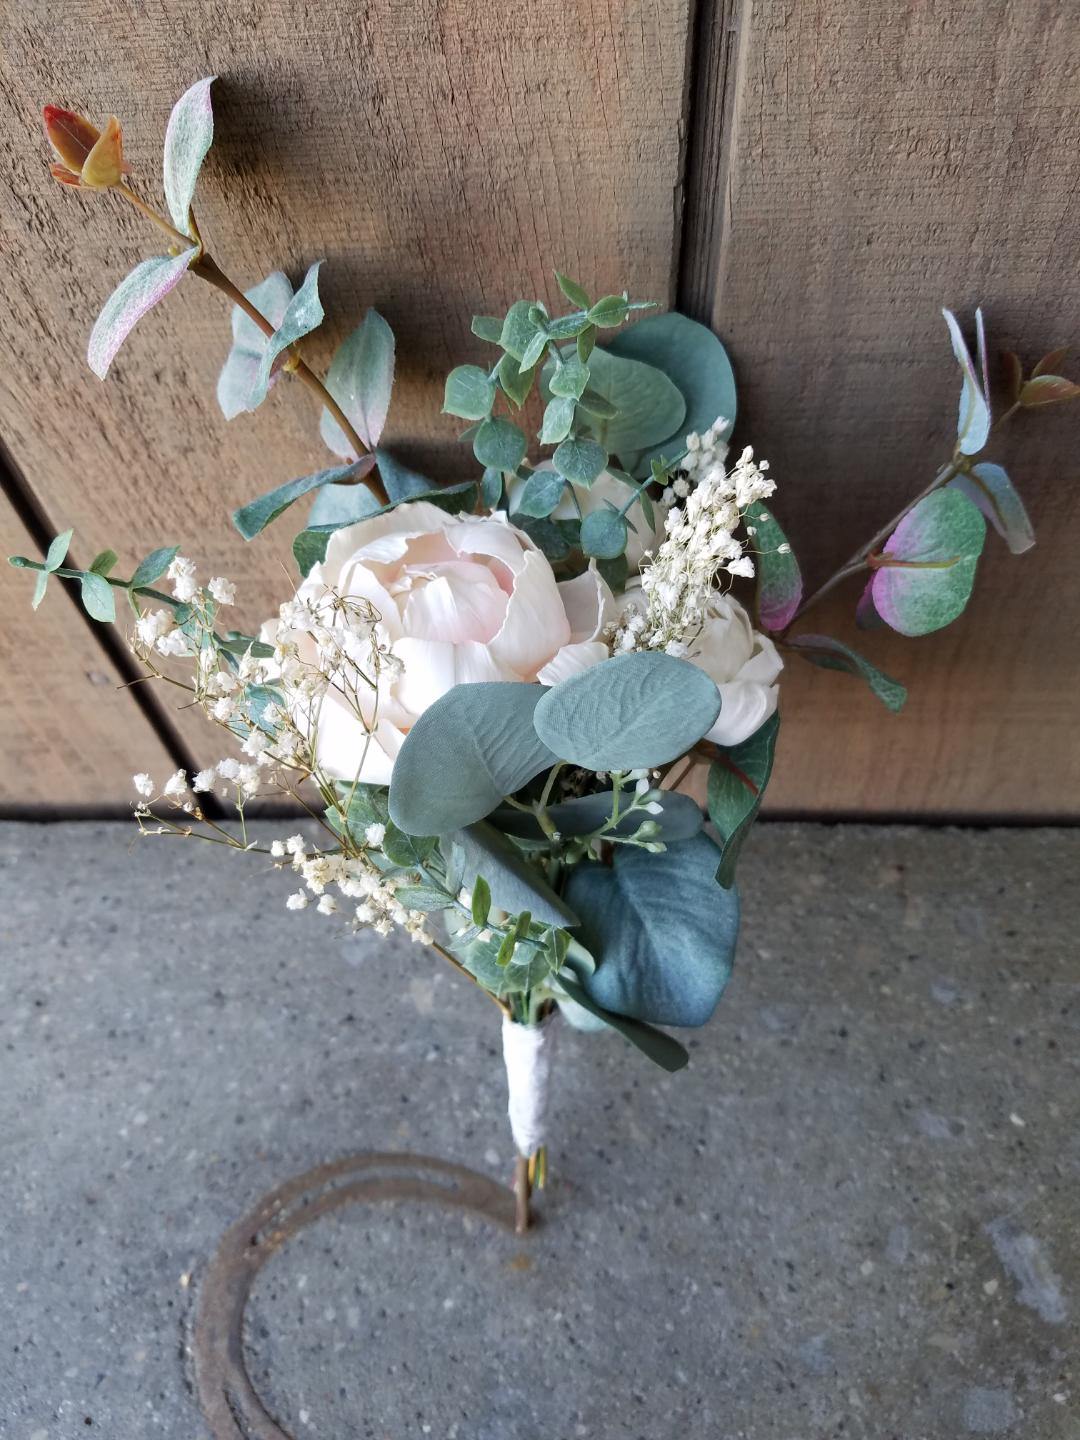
(522, 1194)
(208, 269)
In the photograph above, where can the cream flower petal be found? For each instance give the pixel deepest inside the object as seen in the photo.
(571, 660)
(432, 667)
(744, 709)
(461, 602)
(588, 602)
(536, 624)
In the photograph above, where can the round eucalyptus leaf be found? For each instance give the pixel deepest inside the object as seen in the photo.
(580, 461)
(603, 534)
(499, 443)
(635, 710)
(470, 393)
(662, 931)
(924, 576)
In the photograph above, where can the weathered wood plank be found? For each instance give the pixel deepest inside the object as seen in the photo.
(443, 157)
(882, 161)
(69, 737)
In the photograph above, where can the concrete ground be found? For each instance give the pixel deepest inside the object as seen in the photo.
(855, 1215)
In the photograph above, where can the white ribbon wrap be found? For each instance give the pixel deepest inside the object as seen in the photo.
(527, 1051)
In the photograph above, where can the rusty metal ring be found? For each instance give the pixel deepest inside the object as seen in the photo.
(230, 1404)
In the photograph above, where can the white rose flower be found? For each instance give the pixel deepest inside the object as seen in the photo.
(461, 599)
(744, 663)
(640, 535)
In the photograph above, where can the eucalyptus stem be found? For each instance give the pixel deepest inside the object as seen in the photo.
(860, 560)
(207, 268)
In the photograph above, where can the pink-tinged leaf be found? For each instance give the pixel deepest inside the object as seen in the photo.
(832, 654)
(866, 615)
(1047, 390)
(133, 297)
(924, 576)
(973, 424)
(360, 378)
(303, 313)
(71, 136)
(989, 487)
(1051, 363)
(239, 374)
(779, 585)
(187, 139)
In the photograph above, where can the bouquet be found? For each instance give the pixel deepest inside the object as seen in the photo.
(489, 694)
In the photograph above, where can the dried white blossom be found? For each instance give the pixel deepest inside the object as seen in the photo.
(176, 785)
(143, 783)
(222, 591)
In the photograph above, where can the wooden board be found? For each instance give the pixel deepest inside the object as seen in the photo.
(855, 168)
(70, 739)
(444, 158)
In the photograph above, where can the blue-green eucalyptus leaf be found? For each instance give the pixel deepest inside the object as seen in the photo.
(41, 584)
(518, 330)
(679, 818)
(568, 379)
(302, 315)
(154, 566)
(604, 534)
(632, 711)
(663, 1050)
(558, 419)
(575, 293)
(973, 422)
(97, 598)
(662, 932)
(516, 885)
(499, 443)
(238, 375)
(250, 519)
(58, 549)
(188, 137)
(580, 461)
(628, 405)
(989, 487)
(924, 576)
(779, 581)
(469, 393)
(487, 327)
(361, 379)
(691, 357)
(474, 746)
(104, 561)
(515, 382)
(832, 654)
(540, 494)
(137, 293)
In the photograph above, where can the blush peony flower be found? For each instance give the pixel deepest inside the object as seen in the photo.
(460, 599)
(744, 664)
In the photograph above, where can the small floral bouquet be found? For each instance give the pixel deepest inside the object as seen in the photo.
(489, 693)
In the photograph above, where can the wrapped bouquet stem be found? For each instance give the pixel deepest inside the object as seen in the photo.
(485, 694)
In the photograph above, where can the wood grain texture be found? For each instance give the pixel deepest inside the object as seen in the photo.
(70, 739)
(443, 156)
(881, 161)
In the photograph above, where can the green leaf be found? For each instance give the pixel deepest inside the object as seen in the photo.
(1047, 390)
(612, 310)
(923, 578)
(500, 444)
(573, 291)
(516, 885)
(568, 379)
(603, 534)
(518, 331)
(663, 934)
(360, 378)
(558, 418)
(41, 584)
(779, 582)
(154, 566)
(492, 487)
(586, 341)
(188, 137)
(679, 819)
(566, 327)
(104, 562)
(408, 851)
(481, 901)
(487, 327)
(614, 573)
(57, 551)
(989, 487)
(663, 1050)
(515, 382)
(469, 393)
(737, 780)
(540, 494)
(474, 746)
(250, 519)
(632, 711)
(309, 549)
(580, 461)
(550, 535)
(304, 314)
(366, 805)
(695, 361)
(973, 424)
(502, 967)
(423, 897)
(339, 505)
(833, 655)
(97, 598)
(629, 405)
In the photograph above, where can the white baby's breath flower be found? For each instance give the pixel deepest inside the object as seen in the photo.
(151, 626)
(375, 834)
(176, 785)
(182, 573)
(297, 901)
(327, 905)
(277, 849)
(175, 642)
(204, 780)
(223, 709)
(295, 844)
(229, 769)
(143, 784)
(222, 591)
